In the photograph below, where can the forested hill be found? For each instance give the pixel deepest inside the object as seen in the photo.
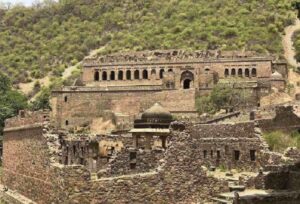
(47, 38)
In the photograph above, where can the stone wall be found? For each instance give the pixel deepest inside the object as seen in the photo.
(26, 164)
(81, 106)
(230, 146)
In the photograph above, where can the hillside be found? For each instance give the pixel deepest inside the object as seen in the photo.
(50, 37)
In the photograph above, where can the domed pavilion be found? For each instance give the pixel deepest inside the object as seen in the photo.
(154, 122)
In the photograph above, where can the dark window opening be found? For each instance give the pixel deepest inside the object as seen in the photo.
(67, 122)
(252, 155)
(161, 73)
(112, 75)
(218, 154)
(247, 74)
(187, 84)
(66, 160)
(132, 156)
(81, 161)
(170, 70)
(128, 75)
(96, 76)
(212, 154)
(66, 98)
(236, 155)
(204, 154)
(74, 149)
(233, 72)
(132, 165)
(145, 74)
(240, 73)
(104, 76)
(253, 72)
(120, 75)
(226, 73)
(136, 74)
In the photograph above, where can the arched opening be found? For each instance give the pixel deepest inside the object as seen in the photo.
(66, 98)
(104, 76)
(145, 74)
(96, 76)
(112, 75)
(170, 70)
(240, 73)
(233, 72)
(161, 73)
(187, 84)
(67, 122)
(253, 72)
(187, 79)
(226, 73)
(120, 75)
(247, 73)
(136, 74)
(153, 72)
(128, 75)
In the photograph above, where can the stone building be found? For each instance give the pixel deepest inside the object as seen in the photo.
(116, 88)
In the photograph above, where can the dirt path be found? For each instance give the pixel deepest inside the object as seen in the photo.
(289, 53)
(26, 88)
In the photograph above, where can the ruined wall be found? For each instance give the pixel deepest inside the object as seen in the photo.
(83, 105)
(230, 146)
(26, 159)
(286, 119)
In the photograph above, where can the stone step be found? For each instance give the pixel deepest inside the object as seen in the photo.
(221, 201)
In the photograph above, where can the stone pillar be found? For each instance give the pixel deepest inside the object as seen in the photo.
(136, 141)
(132, 74)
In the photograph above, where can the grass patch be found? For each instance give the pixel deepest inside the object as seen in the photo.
(279, 141)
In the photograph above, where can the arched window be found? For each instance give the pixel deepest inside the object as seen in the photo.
(145, 74)
(67, 122)
(240, 73)
(128, 75)
(253, 72)
(247, 73)
(96, 76)
(66, 98)
(161, 73)
(226, 73)
(233, 72)
(120, 75)
(136, 74)
(112, 75)
(104, 76)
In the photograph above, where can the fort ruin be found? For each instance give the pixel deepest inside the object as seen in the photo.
(115, 137)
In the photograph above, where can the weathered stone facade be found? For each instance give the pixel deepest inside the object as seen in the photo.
(116, 88)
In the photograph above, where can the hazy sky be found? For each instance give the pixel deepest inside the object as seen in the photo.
(24, 2)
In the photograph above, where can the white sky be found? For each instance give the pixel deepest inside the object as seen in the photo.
(24, 2)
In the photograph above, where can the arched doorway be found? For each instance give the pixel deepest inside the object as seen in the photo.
(187, 79)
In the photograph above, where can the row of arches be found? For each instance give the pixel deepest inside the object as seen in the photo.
(126, 75)
(240, 72)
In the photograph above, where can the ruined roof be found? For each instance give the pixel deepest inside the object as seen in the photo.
(170, 55)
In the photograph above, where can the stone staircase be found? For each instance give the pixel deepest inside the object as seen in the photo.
(234, 186)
